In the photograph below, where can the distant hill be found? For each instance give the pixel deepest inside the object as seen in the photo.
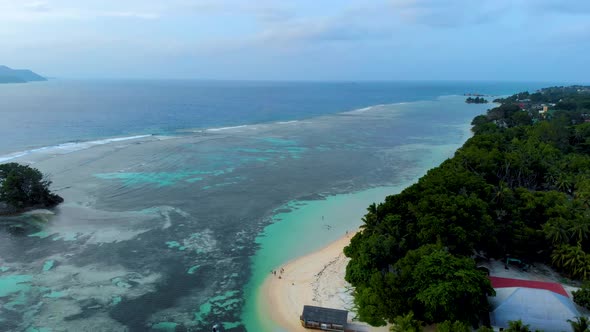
(9, 75)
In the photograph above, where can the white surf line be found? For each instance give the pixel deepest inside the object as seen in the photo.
(69, 147)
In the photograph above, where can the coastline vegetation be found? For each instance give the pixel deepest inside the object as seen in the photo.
(22, 188)
(476, 100)
(582, 296)
(520, 187)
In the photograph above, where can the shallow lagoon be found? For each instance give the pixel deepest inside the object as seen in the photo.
(163, 233)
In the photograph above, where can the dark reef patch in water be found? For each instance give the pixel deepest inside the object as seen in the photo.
(163, 232)
(136, 313)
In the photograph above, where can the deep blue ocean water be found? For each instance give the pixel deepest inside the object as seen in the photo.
(59, 111)
(173, 232)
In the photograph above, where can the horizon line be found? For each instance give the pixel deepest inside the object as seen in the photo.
(56, 78)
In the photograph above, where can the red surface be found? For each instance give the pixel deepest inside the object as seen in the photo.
(498, 282)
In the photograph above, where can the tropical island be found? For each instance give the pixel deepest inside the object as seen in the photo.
(24, 188)
(476, 100)
(517, 191)
(9, 75)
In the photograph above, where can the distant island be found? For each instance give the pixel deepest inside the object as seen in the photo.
(9, 75)
(24, 188)
(476, 100)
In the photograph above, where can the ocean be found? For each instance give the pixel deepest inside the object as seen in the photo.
(181, 196)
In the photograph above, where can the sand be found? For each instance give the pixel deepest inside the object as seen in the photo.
(315, 279)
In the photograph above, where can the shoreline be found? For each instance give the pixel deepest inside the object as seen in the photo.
(298, 227)
(309, 227)
(314, 279)
(279, 302)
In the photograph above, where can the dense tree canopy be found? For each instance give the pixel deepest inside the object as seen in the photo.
(476, 100)
(456, 326)
(518, 326)
(582, 296)
(519, 187)
(23, 187)
(581, 324)
(406, 323)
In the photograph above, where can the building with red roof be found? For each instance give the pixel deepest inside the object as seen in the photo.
(542, 305)
(498, 282)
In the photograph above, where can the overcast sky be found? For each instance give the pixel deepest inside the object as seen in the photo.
(524, 40)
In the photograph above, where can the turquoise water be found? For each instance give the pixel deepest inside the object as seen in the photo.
(165, 326)
(313, 225)
(48, 265)
(179, 232)
(14, 284)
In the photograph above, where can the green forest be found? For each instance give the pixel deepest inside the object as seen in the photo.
(476, 100)
(23, 187)
(520, 187)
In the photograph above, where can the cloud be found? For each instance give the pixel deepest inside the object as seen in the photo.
(331, 30)
(44, 11)
(123, 14)
(574, 34)
(449, 13)
(303, 37)
(561, 6)
(37, 6)
(456, 13)
(264, 11)
(356, 23)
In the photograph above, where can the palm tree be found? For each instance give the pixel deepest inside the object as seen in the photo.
(581, 324)
(456, 326)
(406, 323)
(580, 229)
(579, 135)
(485, 329)
(370, 220)
(583, 191)
(551, 178)
(517, 326)
(559, 255)
(564, 183)
(573, 260)
(501, 191)
(556, 230)
(575, 257)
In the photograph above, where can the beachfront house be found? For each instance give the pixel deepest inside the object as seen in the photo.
(323, 318)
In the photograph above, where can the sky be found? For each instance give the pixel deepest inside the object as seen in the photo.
(516, 40)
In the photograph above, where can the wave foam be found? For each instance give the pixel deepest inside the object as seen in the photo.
(368, 108)
(69, 147)
(227, 128)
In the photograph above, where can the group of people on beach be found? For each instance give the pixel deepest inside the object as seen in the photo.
(281, 271)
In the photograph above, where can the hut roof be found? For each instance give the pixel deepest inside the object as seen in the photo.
(539, 308)
(324, 315)
(498, 282)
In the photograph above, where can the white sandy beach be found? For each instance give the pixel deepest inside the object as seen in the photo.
(315, 279)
